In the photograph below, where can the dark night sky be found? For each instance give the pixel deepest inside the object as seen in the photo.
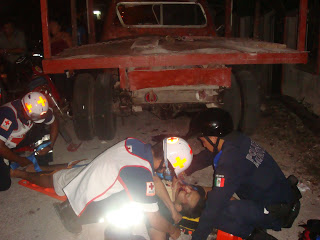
(26, 13)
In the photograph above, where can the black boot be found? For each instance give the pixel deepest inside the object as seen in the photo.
(67, 216)
(260, 234)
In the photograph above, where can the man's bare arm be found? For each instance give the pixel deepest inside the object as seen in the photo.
(162, 193)
(161, 224)
(6, 153)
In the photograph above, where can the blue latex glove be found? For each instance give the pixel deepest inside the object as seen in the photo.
(164, 176)
(32, 158)
(14, 165)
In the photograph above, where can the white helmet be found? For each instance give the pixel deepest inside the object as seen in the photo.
(35, 105)
(178, 152)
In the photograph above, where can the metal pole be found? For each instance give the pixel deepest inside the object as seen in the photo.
(228, 15)
(318, 60)
(302, 25)
(74, 22)
(91, 30)
(45, 29)
(256, 20)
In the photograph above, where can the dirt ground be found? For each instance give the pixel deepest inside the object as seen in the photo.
(29, 215)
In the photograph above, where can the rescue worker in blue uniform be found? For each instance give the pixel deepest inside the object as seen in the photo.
(267, 199)
(16, 119)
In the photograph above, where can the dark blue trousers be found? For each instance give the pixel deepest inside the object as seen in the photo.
(5, 180)
(240, 217)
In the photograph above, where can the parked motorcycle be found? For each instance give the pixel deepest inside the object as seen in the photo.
(31, 76)
(43, 83)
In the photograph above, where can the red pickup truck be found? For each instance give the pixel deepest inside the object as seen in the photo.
(165, 57)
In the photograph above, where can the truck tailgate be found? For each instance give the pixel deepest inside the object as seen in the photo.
(167, 51)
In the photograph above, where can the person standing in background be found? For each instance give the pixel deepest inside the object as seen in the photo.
(60, 41)
(12, 46)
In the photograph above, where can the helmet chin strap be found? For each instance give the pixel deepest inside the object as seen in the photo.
(215, 145)
(160, 165)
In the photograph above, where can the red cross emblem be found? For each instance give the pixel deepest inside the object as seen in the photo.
(151, 191)
(6, 124)
(172, 140)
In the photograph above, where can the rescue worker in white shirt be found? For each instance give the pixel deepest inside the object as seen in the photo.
(16, 119)
(124, 172)
(189, 200)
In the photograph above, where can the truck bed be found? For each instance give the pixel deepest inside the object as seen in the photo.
(166, 51)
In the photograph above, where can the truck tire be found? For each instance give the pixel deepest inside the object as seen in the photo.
(82, 106)
(242, 102)
(104, 117)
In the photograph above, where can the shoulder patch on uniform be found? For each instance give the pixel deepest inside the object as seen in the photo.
(219, 181)
(151, 190)
(6, 124)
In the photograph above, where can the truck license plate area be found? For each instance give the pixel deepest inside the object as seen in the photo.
(174, 94)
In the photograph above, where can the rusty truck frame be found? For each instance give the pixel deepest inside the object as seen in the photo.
(162, 67)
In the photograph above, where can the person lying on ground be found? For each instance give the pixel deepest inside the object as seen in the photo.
(189, 201)
(123, 172)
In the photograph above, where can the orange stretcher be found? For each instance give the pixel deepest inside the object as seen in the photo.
(48, 191)
(226, 236)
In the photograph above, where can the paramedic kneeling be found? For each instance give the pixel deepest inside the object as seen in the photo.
(122, 174)
(17, 118)
(267, 199)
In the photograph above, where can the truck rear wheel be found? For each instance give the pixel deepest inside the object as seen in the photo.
(242, 101)
(104, 117)
(82, 106)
